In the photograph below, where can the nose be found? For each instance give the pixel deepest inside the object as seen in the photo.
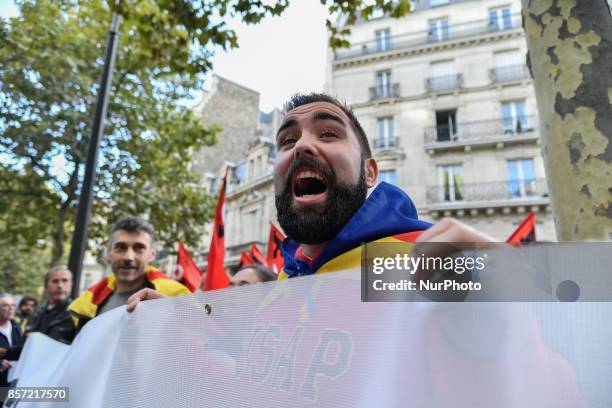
(305, 146)
(129, 255)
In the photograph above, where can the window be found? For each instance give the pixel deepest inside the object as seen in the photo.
(521, 181)
(251, 226)
(434, 3)
(509, 66)
(514, 118)
(450, 179)
(500, 19)
(446, 125)
(388, 176)
(240, 172)
(383, 40)
(386, 138)
(438, 30)
(443, 76)
(383, 84)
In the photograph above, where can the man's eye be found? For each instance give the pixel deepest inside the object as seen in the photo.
(288, 141)
(328, 133)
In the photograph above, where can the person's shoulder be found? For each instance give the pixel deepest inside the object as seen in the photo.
(170, 287)
(165, 285)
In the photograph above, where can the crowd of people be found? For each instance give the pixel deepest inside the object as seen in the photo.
(328, 202)
(130, 253)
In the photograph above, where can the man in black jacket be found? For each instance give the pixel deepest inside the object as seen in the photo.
(10, 335)
(52, 317)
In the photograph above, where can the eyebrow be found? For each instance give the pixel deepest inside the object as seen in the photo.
(328, 116)
(318, 116)
(285, 125)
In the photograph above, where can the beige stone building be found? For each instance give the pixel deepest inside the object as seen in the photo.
(447, 101)
(245, 146)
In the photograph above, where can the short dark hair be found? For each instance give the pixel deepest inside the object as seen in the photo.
(264, 273)
(132, 224)
(304, 99)
(27, 299)
(55, 269)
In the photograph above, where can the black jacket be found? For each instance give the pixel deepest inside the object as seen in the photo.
(56, 323)
(17, 341)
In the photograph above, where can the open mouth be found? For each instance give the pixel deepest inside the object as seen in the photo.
(308, 184)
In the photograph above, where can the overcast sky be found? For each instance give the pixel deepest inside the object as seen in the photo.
(277, 57)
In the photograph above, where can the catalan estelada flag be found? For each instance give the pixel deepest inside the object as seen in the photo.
(274, 256)
(525, 233)
(216, 277)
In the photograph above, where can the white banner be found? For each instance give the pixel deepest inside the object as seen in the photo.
(311, 342)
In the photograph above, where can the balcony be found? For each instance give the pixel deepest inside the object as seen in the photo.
(384, 92)
(444, 83)
(427, 37)
(489, 196)
(484, 133)
(391, 143)
(509, 73)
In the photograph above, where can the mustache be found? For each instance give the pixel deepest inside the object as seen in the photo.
(127, 264)
(312, 163)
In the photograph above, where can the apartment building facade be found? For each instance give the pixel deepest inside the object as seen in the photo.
(447, 101)
(245, 147)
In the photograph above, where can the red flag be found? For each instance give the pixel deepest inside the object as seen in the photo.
(257, 256)
(525, 233)
(274, 256)
(186, 270)
(216, 277)
(245, 259)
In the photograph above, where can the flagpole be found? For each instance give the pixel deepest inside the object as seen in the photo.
(79, 237)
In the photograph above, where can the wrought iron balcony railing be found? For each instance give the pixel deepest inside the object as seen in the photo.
(481, 131)
(509, 73)
(418, 38)
(499, 190)
(444, 83)
(384, 92)
(389, 143)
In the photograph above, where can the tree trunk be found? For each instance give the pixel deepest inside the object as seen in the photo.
(570, 57)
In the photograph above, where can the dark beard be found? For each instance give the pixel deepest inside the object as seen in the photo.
(322, 222)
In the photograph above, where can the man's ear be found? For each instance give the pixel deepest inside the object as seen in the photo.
(153, 254)
(371, 172)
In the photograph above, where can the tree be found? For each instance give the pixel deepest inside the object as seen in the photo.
(49, 72)
(50, 65)
(570, 57)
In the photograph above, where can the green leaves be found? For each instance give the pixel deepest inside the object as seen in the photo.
(50, 67)
(348, 12)
(51, 59)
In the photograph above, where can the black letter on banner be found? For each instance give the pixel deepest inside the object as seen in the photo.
(268, 351)
(287, 361)
(318, 365)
